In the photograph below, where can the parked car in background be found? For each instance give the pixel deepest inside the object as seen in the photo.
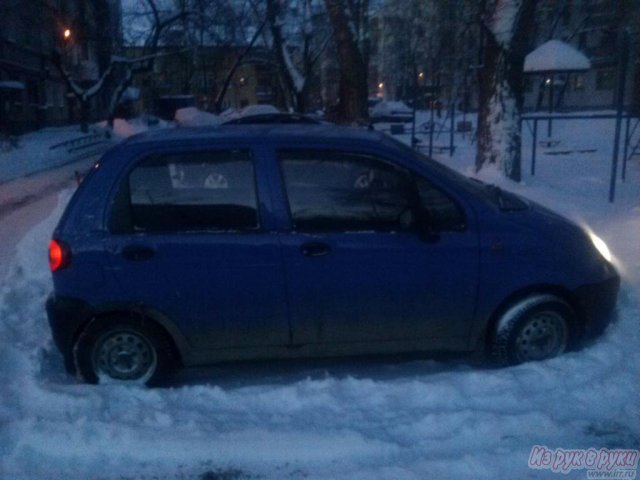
(391, 111)
(192, 117)
(261, 109)
(193, 246)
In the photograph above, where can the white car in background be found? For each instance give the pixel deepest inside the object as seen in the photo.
(251, 110)
(192, 117)
(391, 111)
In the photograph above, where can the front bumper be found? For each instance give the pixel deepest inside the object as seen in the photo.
(66, 317)
(598, 304)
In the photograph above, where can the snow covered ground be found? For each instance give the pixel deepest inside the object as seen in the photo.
(28, 200)
(40, 150)
(44, 149)
(347, 419)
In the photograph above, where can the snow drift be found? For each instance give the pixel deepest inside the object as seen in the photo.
(347, 419)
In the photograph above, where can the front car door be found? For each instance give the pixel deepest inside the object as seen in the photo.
(358, 268)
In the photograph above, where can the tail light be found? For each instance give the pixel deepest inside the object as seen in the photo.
(59, 255)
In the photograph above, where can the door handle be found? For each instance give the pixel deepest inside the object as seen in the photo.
(315, 249)
(138, 253)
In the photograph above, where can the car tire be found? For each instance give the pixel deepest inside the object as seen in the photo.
(122, 349)
(535, 328)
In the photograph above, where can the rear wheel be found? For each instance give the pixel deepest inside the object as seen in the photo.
(535, 328)
(122, 350)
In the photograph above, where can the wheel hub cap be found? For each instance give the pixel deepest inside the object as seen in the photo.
(125, 356)
(544, 336)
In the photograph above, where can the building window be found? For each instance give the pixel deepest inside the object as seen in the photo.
(578, 82)
(28, 31)
(582, 40)
(61, 96)
(605, 79)
(32, 92)
(566, 13)
(84, 51)
(528, 85)
(608, 38)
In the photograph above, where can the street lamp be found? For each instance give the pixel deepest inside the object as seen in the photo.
(67, 34)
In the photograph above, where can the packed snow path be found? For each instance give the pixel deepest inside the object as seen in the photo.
(347, 419)
(26, 201)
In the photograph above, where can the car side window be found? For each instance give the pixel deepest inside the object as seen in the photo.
(336, 191)
(443, 214)
(201, 191)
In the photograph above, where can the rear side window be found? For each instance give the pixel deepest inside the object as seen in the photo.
(194, 192)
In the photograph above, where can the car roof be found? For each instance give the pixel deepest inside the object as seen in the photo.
(280, 117)
(256, 132)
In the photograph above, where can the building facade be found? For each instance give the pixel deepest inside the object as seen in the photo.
(433, 50)
(593, 28)
(202, 73)
(33, 94)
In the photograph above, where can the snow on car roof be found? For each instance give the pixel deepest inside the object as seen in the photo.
(258, 110)
(253, 131)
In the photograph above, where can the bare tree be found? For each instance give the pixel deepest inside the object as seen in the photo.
(507, 27)
(296, 44)
(248, 21)
(209, 35)
(236, 64)
(120, 71)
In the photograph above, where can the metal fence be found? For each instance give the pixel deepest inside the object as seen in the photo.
(630, 148)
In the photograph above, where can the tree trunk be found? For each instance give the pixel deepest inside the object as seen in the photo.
(352, 89)
(501, 89)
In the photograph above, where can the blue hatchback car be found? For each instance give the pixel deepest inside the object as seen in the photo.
(188, 247)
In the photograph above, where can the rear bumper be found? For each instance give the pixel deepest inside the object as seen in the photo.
(598, 304)
(66, 317)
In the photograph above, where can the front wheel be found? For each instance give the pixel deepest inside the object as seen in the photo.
(121, 350)
(533, 329)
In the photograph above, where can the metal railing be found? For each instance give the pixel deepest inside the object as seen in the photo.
(532, 122)
(86, 145)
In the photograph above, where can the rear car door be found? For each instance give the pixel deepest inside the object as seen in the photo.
(357, 268)
(190, 239)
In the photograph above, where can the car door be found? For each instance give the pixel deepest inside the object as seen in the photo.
(358, 268)
(191, 240)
